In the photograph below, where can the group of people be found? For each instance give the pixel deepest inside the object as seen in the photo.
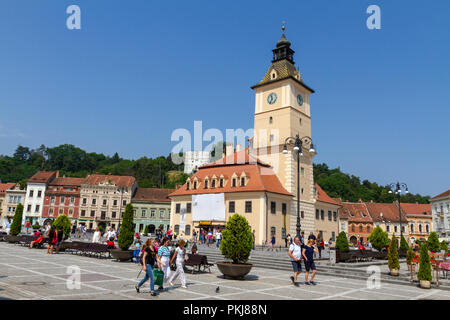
(161, 257)
(54, 236)
(208, 236)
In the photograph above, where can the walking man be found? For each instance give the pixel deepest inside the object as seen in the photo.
(218, 238)
(253, 234)
(295, 253)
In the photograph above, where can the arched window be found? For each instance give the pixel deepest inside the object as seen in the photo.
(360, 229)
(420, 228)
(353, 228)
(412, 227)
(368, 229)
(427, 228)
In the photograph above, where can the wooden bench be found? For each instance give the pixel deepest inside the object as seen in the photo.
(194, 260)
(205, 264)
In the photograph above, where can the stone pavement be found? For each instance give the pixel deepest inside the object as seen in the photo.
(32, 274)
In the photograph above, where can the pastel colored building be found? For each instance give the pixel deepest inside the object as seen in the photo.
(238, 183)
(34, 200)
(8, 205)
(327, 213)
(440, 206)
(62, 196)
(389, 217)
(359, 221)
(151, 208)
(419, 220)
(104, 198)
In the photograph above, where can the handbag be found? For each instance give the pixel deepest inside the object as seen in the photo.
(159, 277)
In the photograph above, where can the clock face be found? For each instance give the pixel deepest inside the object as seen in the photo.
(300, 100)
(272, 98)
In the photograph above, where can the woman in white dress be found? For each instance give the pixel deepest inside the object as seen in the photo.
(97, 236)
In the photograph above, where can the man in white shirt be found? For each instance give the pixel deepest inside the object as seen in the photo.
(295, 253)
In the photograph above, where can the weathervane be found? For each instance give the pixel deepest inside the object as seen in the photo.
(283, 25)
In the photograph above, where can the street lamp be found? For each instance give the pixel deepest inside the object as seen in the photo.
(298, 144)
(398, 190)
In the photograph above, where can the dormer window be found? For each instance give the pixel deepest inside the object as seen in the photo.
(206, 184)
(221, 182)
(213, 183)
(188, 186)
(234, 182)
(195, 185)
(243, 182)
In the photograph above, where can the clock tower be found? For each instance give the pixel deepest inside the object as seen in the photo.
(282, 110)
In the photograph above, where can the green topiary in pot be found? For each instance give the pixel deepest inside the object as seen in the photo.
(444, 247)
(378, 238)
(237, 239)
(64, 222)
(410, 254)
(404, 244)
(393, 262)
(342, 242)
(16, 225)
(146, 229)
(433, 242)
(126, 234)
(425, 265)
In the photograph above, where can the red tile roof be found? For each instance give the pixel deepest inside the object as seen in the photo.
(237, 158)
(6, 186)
(152, 194)
(119, 181)
(324, 197)
(443, 194)
(416, 209)
(390, 212)
(75, 182)
(355, 212)
(261, 177)
(44, 176)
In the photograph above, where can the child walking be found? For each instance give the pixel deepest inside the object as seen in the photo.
(179, 255)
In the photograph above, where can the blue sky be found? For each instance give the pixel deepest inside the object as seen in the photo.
(139, 69)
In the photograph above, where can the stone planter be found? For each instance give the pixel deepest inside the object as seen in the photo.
(342, 256)
(425, 284)
(394, 272)
(121, 255)
(235, 271)
(12, 239)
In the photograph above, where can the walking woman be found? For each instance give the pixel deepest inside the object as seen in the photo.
(308, 256)
(97, 235)
(179, 255)
(164, 255)
(52, 239)
(149, 259)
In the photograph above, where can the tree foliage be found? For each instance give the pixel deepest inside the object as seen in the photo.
(237, 239)
(342, 242)
(16, 225)
(425, 265)
(126, 233)
(393, 262)
(72, 161)
(410, 254)
(433, 242)
(64, 222)
(444, 247)
(349, 187)
(378, 238)
(403, 244)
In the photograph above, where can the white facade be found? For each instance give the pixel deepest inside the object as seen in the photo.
(193, 159)
(440, 209)
(34, 202)
(12, 198)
